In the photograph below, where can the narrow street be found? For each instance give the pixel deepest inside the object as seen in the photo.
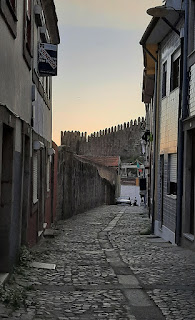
(106, 270)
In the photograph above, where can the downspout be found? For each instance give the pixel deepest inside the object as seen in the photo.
(183, 114)
(154, 143)
(154, 133)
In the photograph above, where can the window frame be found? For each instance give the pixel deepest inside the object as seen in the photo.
(164, 79)
(9, 14)
(175, 70)
(28, 33)
(172, 183)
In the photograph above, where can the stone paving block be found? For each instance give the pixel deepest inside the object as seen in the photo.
(41, 265)
(128, 280)
(148, 313)
(49, 233)
(122, 270)
(137, 298)
(156, 240)
(116, 263)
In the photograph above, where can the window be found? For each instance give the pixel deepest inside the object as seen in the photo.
(164, 80)
(35, 177)
(172, 174)
(175, 70)
(191, 26)
(9, 14)
(12, 3)
(28, 24)
(28, 32)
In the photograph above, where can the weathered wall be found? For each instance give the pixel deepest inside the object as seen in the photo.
(123, 141)
(54, 180)
(80, 186)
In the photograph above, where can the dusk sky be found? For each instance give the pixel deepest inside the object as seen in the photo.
(100, 64)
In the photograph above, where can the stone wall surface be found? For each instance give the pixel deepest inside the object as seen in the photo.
(123, 141)
(80, 187)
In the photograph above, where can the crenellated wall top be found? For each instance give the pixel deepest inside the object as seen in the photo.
(82, 136)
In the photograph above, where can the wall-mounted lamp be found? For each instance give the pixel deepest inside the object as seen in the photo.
(51, 152)
(37, 145)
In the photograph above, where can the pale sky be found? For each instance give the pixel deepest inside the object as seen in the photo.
(100, 64)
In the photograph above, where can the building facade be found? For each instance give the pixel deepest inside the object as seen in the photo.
(162, 96)
(188, 207)
(25, 124)
(172, 197)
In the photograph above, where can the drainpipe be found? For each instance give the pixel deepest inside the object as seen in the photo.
(154, 144)
(183, 114)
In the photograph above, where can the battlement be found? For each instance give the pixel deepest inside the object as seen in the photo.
(122, 140)
(66, 136)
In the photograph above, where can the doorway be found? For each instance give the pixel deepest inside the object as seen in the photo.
(161, 189)
(6, 198)
(26, 184)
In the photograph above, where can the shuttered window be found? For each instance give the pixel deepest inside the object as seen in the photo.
(173, 167)
(35, 177)
(172, 176)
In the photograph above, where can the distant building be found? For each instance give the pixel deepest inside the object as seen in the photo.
(25, 123)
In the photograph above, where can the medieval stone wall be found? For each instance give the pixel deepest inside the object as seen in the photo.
(123, 141)
(80, 186)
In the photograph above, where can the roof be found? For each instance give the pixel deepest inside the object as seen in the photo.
(157, 29)
(154, 34)
(111, 162)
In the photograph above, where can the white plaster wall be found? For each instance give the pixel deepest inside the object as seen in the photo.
(164, 232)
(132, 192)
(43, 118)
(15, 86)
(169, 104)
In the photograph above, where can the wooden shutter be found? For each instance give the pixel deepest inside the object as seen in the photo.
(173, 167)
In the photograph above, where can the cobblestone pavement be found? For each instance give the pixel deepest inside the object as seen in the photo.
(106, 270)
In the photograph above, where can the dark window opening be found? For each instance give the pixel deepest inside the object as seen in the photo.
(27, 47)
(175, 73)
(8, 10)
(28, 24)
(12, 4)
(164, 80)
(173, 188)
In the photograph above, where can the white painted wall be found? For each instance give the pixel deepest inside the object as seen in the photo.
(130, 191)
(192, 91)
(169, 104)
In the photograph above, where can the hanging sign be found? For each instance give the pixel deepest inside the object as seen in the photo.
(47, 59)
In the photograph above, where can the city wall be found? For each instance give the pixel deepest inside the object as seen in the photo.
(122, 140)
(80, 186)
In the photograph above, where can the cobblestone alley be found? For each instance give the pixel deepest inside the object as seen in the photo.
(106, 270)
